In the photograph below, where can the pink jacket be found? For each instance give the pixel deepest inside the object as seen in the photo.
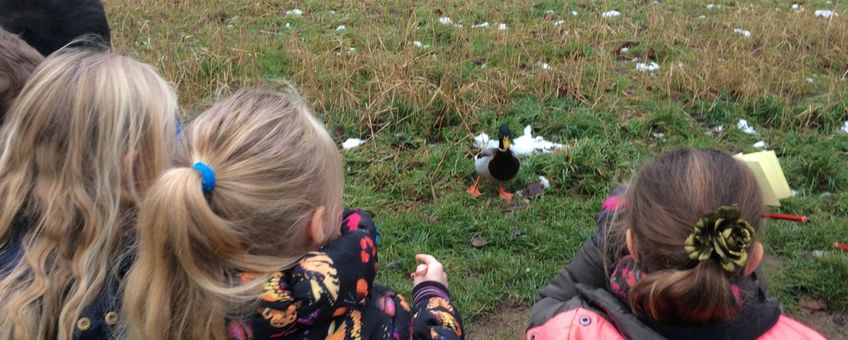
(583, 323)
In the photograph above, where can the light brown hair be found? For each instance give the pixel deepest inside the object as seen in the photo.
(275, 165)
(88, 134)
(664, 202)
(17, 61)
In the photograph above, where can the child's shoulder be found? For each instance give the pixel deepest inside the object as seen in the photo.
(788, 328)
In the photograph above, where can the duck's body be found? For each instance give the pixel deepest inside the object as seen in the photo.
(496, 164)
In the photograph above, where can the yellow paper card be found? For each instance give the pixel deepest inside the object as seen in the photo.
(769, 174)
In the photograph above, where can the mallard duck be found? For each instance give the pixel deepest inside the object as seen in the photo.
(496, 164)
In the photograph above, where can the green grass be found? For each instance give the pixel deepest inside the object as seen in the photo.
(419, 109)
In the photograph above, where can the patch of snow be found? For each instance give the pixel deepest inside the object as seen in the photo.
(845, 127)
(762, 145)
(550, 12)
(483, 25)
(825, 13)
(794, 193)
(796, 6)
(288, 25)
(527, 144)
(712, 6)
(420, 44)
(445, 21)
(559, 22)
(809, 80)
(341, 28)
(351, 143)
(652, 66)
(743, 125)
(610, 14)
(483, 142)
(501, 27)
(544, 66)
(295, 12)
(545, 182)
(744, 33)
(574, 13)
(624, 49)
(718, 129)
(350, 50)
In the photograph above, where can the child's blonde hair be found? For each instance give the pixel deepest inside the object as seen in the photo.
(663, 204)
(88, 133)
(275, 165)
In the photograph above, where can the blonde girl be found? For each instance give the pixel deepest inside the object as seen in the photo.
(245, 237)
(86, 137)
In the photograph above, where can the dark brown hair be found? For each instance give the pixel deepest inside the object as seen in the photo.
(665, 201)
(17, 61)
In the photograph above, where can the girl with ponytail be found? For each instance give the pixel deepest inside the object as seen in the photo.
(246, 239)
(675, 257)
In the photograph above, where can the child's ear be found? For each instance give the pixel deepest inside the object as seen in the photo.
(316, 226)
(631, 247)
(754, 258)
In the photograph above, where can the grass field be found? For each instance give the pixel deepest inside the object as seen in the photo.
(418, 105)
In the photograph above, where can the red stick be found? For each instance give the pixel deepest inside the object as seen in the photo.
(840, 245)
(796, 218)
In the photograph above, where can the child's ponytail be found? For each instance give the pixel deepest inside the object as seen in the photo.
(252, 173)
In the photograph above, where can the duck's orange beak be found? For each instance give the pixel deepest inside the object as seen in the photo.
(506, 143)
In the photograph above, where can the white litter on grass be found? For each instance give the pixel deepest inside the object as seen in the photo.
(445, 21)
(420, 44)
(624, 49)
(745, 33)
(351, 143)
(483, 25)
(501, 27)
(341, 28)
(845, 127)
(760, 145)
(350, 50)
(743, 125)
(295, 12)
(794, 193)
(711, 6)
(652, 66)
(809, 80)
(288, 25)
(718, 129)
(545, 182)
(610, 14)
(559, 22)
(544, 66)
(483, 142)
(702, 17)
(550, 12)
(527, 144)
(574, 13)
(796, 6)
(825, 13)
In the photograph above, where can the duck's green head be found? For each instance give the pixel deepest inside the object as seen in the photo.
(504, 137)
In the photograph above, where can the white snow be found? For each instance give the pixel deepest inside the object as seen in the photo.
(745, 33)
(610, 14)
(743, 125)
(809, 80)
(483, 142)
(545, 182)
(825, 13)
(341, 28)
(796, 6)
(420, 44)
(527, 144)
(351, 143)
(544, 66)
(624, 49)
(288, 25)
(445, 21)
(550, 12)
(845, 127)
(760, 145)
(652, 66)
(295, 12)
(711, 6)
(574, 13)
(559, 22)
(483, 25)
(501, 27)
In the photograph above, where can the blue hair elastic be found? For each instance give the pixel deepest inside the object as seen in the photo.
(207, 176)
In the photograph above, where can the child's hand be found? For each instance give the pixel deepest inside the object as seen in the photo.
(429, 269)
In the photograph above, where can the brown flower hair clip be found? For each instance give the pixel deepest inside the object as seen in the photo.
(722, 235)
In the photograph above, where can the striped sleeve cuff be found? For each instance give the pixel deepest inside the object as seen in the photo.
(427, 289)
